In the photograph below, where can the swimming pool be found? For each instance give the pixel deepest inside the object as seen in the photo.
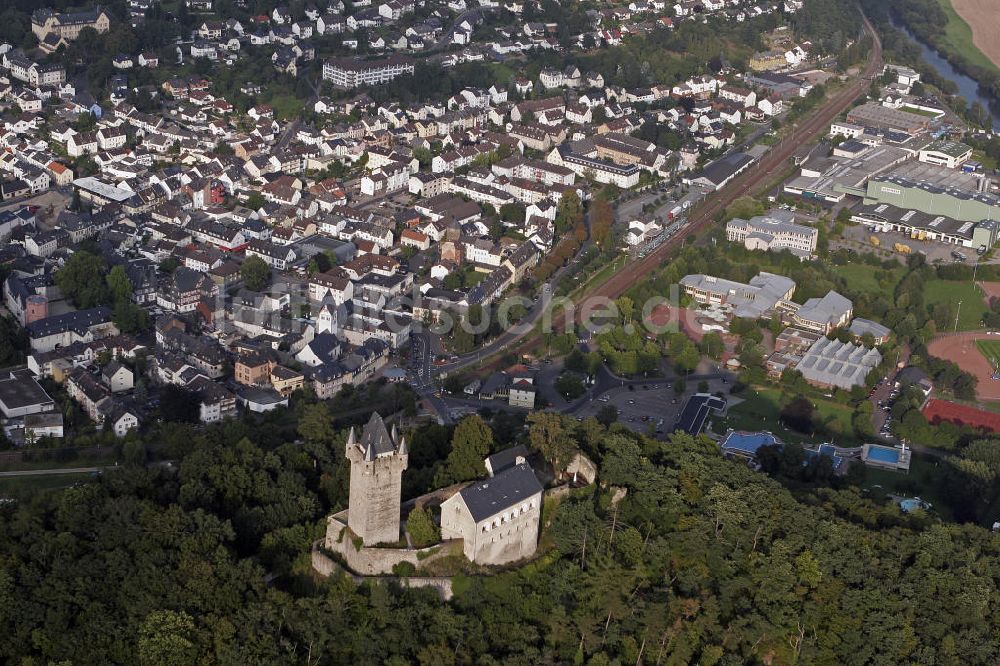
(909, 505)
(883, 454)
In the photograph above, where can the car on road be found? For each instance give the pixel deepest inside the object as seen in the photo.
(631, 402)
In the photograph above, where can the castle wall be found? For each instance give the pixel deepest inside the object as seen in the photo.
(372, 561)
(325, 566)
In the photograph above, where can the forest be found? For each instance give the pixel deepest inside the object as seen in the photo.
(675, 556)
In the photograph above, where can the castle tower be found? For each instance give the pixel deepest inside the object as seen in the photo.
(36, 307)
(378, 459)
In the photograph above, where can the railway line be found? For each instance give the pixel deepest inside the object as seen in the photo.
(761, 173)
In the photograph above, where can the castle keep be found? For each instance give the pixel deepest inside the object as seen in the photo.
(377, 459)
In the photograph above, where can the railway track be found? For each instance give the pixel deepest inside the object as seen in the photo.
(746, 183)
(702, 216)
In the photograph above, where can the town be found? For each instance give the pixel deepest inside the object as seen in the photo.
(177, 248)
(251, 253)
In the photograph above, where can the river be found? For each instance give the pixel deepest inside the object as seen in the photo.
(967, 87)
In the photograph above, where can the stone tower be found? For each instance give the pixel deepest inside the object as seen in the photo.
(378, 459)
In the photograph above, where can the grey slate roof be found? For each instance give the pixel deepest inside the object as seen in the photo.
(508, 488)
(827, 310)
(861, 326)
(376, 436)
(499, 462)
(79, 320)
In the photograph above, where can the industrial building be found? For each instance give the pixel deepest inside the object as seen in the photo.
(950, 154)
(980, 235)
(830, 179)
(876, 115)
(935, 190)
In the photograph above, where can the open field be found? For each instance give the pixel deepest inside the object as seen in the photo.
(969, 294)
(761, 409)
(972, 30)
(861, 277)
(963, 349)
(20, 485)
(991, 350)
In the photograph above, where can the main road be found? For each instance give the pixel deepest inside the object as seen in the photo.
(702, 215)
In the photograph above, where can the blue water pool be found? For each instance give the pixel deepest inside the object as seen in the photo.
(883, 454)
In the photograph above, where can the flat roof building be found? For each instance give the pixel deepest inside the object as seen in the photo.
(876, 115)
(21, 395)
(696, 411)
(885, 217)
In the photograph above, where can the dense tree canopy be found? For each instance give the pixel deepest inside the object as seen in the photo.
(701, 561)
(82, 280)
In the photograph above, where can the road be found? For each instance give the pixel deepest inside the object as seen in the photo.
(700, 216)
(504, 340)
(52, 472)
(288, 133)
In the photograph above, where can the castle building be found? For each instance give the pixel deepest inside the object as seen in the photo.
(377, 459)
(497, 518)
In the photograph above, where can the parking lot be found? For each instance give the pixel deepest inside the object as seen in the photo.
(648, 410)
(858, 238)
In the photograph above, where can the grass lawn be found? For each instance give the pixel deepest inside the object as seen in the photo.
(100, 459)
(958, 38)
(861, 278)
(918, 483)
(991, 350)
(761, 409)
(286, 106)
(973, 307)
(19, 485)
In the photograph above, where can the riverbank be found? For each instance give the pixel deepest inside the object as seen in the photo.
(970, 82)
(973, 26)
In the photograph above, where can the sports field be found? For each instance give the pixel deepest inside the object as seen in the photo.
(991, 350)
(963, 349)
(968, 294)
(972, 30)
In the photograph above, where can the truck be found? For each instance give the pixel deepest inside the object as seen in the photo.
(902, 249)
(674, 212)
(874, 241)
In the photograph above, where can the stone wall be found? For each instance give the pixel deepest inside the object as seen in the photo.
(369, 561)
(325, 566)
